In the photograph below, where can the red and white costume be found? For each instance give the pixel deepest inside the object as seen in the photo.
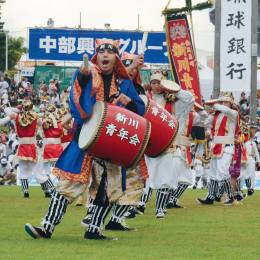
(248, 168)
(194, 118)
(223, 128)
(52, 143)
(52, 147)
(164, 170)
(27, 152)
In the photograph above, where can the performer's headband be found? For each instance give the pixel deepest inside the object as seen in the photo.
(127, 62)
(106, 46)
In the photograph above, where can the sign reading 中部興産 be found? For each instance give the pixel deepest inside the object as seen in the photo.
(181, 55)
(57, 44)
(235, 45)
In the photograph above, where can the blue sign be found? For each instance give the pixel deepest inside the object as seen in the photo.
(70, 45)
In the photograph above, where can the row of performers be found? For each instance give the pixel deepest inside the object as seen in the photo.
(170, 173)
(42, 139)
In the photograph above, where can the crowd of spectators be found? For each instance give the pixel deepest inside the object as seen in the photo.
(15, 92)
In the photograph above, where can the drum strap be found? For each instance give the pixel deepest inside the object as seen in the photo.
(101, 197)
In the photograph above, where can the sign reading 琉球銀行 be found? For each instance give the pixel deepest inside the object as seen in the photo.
(235, 45)
(57, 44)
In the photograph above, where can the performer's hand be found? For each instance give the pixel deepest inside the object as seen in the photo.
(209, 105)
(138, 61)
(146, 86)
(83, 71)
(12, 116)
(259, 164)
(123, 99)
(237, 141)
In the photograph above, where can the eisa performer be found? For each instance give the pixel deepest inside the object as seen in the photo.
(224, 124)
(164, 170)
(27, 124)
(202, 159)
(131, 62)
(248, 168)
(106, 79)
(195, 118)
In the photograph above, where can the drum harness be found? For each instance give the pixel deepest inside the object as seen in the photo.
(101, 197)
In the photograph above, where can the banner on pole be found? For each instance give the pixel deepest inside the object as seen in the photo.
(181, 54)
(70, 45)
(235, 45)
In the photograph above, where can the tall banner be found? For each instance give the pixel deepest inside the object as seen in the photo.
(181, 54)
(235, 45)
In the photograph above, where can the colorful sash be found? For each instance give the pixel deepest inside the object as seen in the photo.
(221, 132)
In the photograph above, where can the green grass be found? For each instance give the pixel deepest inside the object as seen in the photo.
(197, 232)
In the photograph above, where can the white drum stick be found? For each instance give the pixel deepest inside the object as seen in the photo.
(85, 60)
(142, 49)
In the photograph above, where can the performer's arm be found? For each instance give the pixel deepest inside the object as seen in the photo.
(84, 76)
(7, 119)
(200, 117)
(230, 113)
(130, 98)
(256, 152)
(137, 102)
(83, 79)
(138, 61)
(183, 107)
(208, 123)
(65, 122)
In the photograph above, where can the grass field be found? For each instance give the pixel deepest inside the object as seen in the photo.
(197, 232)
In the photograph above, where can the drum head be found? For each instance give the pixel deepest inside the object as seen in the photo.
(170, 86)
(146, 101)
(144, 98)
(90, 127)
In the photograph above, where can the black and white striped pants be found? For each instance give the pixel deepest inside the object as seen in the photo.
(56, 212)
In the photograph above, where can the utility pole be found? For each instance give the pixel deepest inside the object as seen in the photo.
(138, 23)
(216, 89)
(253, 95)
(80, 20)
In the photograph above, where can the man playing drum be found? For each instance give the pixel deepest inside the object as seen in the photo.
(102, 82)
(132, 63)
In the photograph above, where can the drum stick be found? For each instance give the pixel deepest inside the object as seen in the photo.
(85, 60)
(142, 48)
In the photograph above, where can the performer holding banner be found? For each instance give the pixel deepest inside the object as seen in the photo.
(182, 55)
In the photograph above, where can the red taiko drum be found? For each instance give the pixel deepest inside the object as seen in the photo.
(115, 134)
(164, 128)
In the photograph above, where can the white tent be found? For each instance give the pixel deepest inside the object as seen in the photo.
(207, 81)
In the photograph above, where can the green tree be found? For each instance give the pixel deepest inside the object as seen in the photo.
(15, 51)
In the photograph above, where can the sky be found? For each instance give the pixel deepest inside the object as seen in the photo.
(18, 15)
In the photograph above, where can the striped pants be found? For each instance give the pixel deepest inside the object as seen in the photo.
(225, 186)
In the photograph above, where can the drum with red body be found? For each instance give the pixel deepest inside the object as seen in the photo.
(115, 134)
(164, 128)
